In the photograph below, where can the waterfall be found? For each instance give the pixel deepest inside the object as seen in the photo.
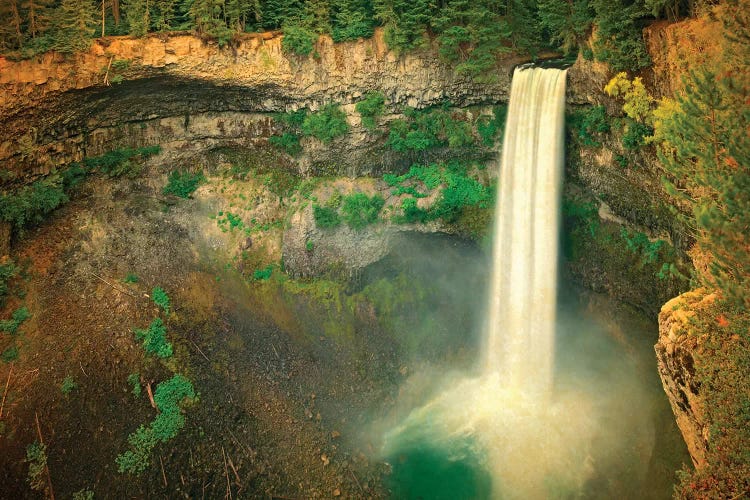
(521, 320)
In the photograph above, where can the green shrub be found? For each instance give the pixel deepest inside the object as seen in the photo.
(10, 354)
(16, 319)
(36, 456)
(360, 210)
(183, 183)
(68, 385)
(169, 396)
(84, 494)
(160, 298)
(263, 274)
(427, 129)
(118, 163)
(326, 217)
(634, 135)
(370, 108)
(309, 245)
(588, 125)
(8, 270)
(130, 278)
(30, 204)
(298, 40)
(412, 213)
(287, 142)
(326, 124)
(134, 379)
(155, 339)
(491, 129)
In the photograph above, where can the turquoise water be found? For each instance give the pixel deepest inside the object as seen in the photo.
(424, 471)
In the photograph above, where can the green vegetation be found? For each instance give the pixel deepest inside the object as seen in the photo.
(360, 210)
(8, 271)
(427, 129)
(326, 124)
(298, 40)
(16, 319)
(288, 142)
(637, 101)
(169, 397)
(68, 385)
(84, 494)
(491, 128)
(134, 379)
(326, 217)
(183, 183)
(155, 339)
(130, 278)
(31, 204)
(635, 134)
(588, 125)
(121, 162)
(459, 192)
(36, 456)
(309, 246)
(9, 354)
(160, 298)
(263, 274)
(370, 108)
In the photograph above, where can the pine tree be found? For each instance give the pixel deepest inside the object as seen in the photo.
(352, 19)
(567, 23)
(76, 21)
(276, 13)
(138, 14)
(11, 36)
(317, 16)
(405, 22)
(164, 14)
(619, 40)
(208, 18)
(37, 16)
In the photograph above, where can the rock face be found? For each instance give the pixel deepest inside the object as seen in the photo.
(675, 353)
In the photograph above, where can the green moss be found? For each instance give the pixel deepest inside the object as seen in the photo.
(68, 385)
(161, 299)
(182, 183)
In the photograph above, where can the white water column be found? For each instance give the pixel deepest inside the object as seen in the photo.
(520, 335)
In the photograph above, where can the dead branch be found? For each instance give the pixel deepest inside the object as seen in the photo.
(5, 393)
(226, 474)
(151, 395)
(113, 286)
(163, 475)
(356, 481)
(106, 75)
(199, 350)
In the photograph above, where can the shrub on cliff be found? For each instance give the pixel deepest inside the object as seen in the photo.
(326, 124)
(298, 40)
(370, 108)
(360, 210)
(326, 217)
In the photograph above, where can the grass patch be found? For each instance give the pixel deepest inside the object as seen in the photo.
(183, 184)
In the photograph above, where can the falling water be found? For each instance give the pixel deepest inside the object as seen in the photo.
(521, 327)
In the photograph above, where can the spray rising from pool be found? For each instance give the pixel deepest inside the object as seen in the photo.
(533, 442)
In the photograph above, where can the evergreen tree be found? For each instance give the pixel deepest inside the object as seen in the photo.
(241, 13)
(275, 13)
(208, 18)
(75, 22)
(352, 19)
(567, 23)
(164, 14)
(619, 40)
(524, 25)
(472, 34)
(405, 21)
(37, 16)
(138, 14)
(317, 16)
(11, 36)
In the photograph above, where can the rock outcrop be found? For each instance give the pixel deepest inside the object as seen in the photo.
(676, 352)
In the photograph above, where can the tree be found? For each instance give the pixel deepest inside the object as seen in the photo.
(37, 16)
(619, 40)
(567, 23)
(76, 22)
(138, 14)
(11, 36)
(352, 19)
(405, 22)
(164, 14)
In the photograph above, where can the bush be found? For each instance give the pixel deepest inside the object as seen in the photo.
(11, 325)
(298, 40)
(263, 274)
(183, 183)
(160, 298)
(370, 108)
(155, 339)
(287, 142)
(8, 270)
(491, 128)
(130, 278)
(134, 379)
(36, 456)
(326, 217)
(326, 124)
(360, 210)
(10, 354)
(588, 125)
(30, 205)
(169, 396)
(412, 213)
(634, 135)
(118, 163)
(67, 385)
(427, 129)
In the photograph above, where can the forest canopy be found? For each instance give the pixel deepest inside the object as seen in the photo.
(470, 33)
